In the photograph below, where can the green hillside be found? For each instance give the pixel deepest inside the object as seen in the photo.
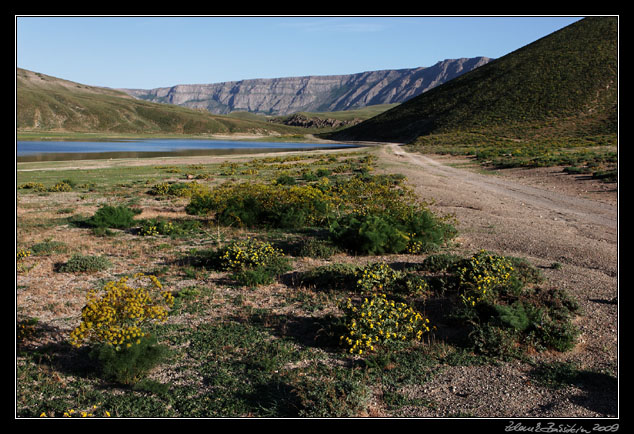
(563, 85)
(49, 104)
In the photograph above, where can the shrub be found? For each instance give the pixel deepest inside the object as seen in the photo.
(253, 262)
(130, 364)
(118, 217)
(257, 205)
(35, 186)
(482, 276)
(160, 226)
(49, 247)
(84, 263)
(331, 277)
(315, 248)
(117, 316)
(61, 186)
(377, 232)
(505, 317)
(377, 277)
(178, 189)
(379, 321)
(369, 234)
(286, 180)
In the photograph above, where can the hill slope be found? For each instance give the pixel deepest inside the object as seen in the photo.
(281, 96)
(569, 76)
(46, 103)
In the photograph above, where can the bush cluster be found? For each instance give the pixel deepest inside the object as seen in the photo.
(263, 205)
(178, 189)
(506, 316)
(367, 214)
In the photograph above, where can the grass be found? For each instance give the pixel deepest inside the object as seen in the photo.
(238, 346)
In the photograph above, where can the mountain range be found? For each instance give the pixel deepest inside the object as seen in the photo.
(283, 96)
(564, 84)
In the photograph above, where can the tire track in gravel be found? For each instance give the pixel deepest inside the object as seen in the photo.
(498, 213)
(571, 208)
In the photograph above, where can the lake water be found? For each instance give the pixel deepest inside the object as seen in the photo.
(78, 150)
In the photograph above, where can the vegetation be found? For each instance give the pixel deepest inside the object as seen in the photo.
(224, 318)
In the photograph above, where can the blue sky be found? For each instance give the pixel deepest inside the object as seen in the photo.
(160, 51)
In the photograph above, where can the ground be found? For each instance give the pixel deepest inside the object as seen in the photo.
(563, 224)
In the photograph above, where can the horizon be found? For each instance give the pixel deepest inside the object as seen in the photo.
(164, 51)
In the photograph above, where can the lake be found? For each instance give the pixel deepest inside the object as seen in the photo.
(147, 148)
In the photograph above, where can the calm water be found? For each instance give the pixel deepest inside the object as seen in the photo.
(76, 150)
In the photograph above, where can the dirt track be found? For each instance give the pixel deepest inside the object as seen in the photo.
(564, 225)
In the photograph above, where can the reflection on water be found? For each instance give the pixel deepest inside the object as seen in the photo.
(29, 151)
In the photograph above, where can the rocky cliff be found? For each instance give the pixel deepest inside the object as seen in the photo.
(282, 96)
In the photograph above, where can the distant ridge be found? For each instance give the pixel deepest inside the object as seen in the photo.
(46, 103)
(566, 80)
(282, 96)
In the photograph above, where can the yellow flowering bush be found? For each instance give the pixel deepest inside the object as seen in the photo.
(377, 276)
(247, 253)
(20, 256)
(81, 413)
(480, 276)
(22, 253)
(379, 321)
(117, 316)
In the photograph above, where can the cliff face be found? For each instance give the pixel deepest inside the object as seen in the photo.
(282, 96)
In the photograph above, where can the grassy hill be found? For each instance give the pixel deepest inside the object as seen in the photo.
(563, 85)
(49, 104)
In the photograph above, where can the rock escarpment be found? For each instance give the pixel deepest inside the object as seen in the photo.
(282, 96)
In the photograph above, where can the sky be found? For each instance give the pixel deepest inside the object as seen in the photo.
(147, 52)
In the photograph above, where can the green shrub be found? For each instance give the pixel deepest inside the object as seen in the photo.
(60, 186)
(331, 277)
(504, 315)
(117, 217)
(316, 248)
(263, 205)
(482, 277)
(84, 263)
(440, 262)
(369, 234)
(160, 226)
(286, 180)
(131, 364)
(48, 247)
(383, 232)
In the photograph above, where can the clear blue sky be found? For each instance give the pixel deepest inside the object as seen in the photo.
(161, 51)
